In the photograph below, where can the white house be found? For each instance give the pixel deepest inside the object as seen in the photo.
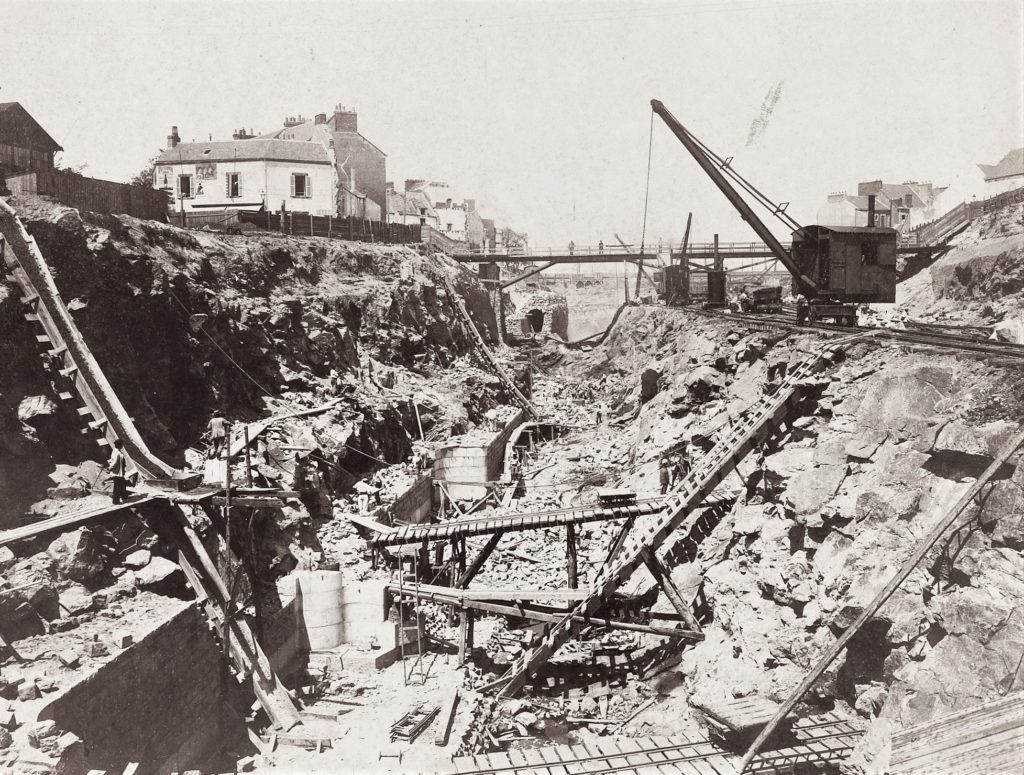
(1007, 175)
(247, 174)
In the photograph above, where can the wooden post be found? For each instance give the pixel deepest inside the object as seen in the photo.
(479, 560)
(685, 261)
(330, 233)
(227, 498)
(462, 555)
(570, 555)
(662, 576)
(463, 635)
(248, 457)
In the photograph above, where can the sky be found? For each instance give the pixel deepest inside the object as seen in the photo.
(541, 110)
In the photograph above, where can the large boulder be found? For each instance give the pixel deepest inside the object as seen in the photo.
(78, 556)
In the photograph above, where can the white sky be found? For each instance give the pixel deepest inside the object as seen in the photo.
(541, 110)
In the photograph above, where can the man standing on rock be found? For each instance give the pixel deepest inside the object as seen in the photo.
(117, 465)
(664, 474)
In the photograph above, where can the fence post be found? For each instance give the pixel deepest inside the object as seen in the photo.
(329, 234)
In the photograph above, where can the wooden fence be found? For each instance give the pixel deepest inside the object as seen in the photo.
(349, 228)
(92, 194)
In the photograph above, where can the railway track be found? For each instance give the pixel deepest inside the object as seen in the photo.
(815, 742)
(963, 339)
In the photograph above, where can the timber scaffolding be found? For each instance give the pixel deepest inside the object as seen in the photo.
(640, 547)
(62, 343)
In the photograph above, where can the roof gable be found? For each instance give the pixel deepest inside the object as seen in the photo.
(310, 131)
(18, 128)
(1009, 165)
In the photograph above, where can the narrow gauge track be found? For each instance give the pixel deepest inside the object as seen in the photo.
(941, 339)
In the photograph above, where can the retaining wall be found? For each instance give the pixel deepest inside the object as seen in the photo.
(469, 462)
(159, 703)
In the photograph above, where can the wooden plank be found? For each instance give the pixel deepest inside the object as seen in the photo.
(447, 719)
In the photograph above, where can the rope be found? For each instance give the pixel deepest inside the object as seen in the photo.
(647, 187)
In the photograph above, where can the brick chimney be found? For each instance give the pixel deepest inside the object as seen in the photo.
(293, 121)
(320, 118)
(241, 134)
(173, 138)
(344, 119)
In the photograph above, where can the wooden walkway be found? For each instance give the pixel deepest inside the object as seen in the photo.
(462, 528)
(982, 740)
(65, 521)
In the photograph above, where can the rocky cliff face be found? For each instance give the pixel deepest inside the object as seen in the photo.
(890, 441)
(185, 324)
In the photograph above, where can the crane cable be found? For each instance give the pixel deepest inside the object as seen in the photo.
(647, 187)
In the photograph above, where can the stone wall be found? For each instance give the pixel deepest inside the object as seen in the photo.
(539, 312)
(468, 462)
(160, 703)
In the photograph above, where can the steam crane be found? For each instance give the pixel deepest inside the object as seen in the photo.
(834, 267)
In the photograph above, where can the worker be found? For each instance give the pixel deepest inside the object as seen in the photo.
(744, 301)
(600, 247)
(572, 247)
(757, 476)
(802, 309)
(377, 482)
(683, 462)
(664, 475)
(218, 433)
(117, 465)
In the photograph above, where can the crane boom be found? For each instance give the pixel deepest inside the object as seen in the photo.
(808, 286)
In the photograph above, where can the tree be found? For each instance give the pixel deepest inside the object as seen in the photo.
(513, 239)
(144, 177)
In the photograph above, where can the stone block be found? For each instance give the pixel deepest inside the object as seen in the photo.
(28, 691)
(8, 720)
(68, 658)
(122, 640)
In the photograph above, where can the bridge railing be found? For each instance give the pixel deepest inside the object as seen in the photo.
(529, 252)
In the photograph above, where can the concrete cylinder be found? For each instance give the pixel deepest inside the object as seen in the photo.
(321, 606)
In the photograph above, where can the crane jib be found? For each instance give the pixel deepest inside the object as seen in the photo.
(746, 213)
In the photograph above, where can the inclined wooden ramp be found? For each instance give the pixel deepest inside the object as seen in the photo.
(26, 266)
(755, 426)
(981, 740)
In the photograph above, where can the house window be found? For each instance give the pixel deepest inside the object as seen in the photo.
(234, 184)
(301, 188)
(185, 186)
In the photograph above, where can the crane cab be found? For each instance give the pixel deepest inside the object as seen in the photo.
(850, 264)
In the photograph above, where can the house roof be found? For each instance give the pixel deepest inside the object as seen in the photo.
(310, 131)
(18, 128)
(861, 202)
(256, 149)
(409, 203)
(1009, 165)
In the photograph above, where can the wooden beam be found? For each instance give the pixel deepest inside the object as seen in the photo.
(526, 612)
(479, 560)
(620, 539)
(255, 503)
(664, 578)
(570, 555)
